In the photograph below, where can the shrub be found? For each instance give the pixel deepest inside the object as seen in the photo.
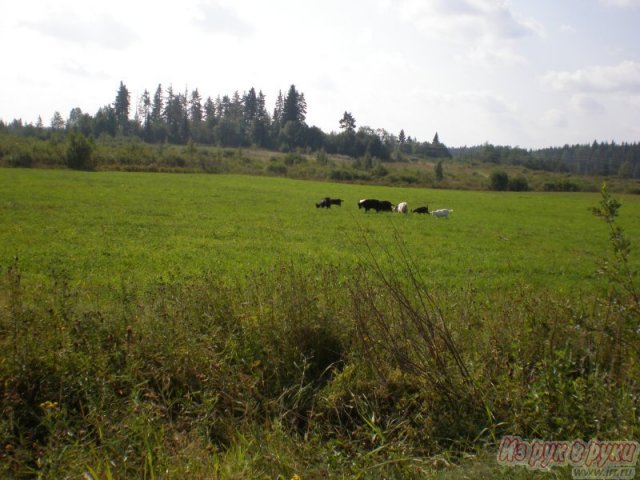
(277, 169)
(561, 186)
(21, 159)
(79, 152)
(518, 184)
(499, 181)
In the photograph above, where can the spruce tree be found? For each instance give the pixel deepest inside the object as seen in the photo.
(121, 108)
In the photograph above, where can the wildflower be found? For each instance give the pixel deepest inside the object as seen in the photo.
(49, 405)
(296, 477)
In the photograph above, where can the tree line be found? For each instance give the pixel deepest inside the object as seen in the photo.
(238, 120)
(602, 159)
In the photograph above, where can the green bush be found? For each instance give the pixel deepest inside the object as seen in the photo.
(80, 149)
(499, 181)
(518, 184)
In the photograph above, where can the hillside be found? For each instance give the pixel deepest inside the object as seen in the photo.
(460, 172)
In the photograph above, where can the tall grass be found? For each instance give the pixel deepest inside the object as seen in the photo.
(313, 370)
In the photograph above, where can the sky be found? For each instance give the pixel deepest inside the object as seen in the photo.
(532, 74)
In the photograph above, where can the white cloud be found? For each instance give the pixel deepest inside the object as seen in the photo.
(622, 3)
(621, 78)
(468, 18)
(480, 101)
(216, 18)
(555, 118)
(487, 30)
(588, 105)
(101, 30)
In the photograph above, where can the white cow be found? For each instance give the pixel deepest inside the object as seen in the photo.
(402, 207)
(443, 212)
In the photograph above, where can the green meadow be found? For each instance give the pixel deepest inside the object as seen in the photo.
(202, 326)
(105, 228)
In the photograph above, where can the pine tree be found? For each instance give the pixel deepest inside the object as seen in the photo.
(57, 122)
(250, 101)
(277, 111)
(295, 107)
(144, 112)
(195, 107)
(121, 108)
(209, 110)
(348, 123)
(260, 133)
(157, 109)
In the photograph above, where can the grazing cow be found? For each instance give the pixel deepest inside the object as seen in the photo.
(377, 205)
(369, 204)
(324, 203)
(421, 210)
(386, 206)
(402, 207)
(443, 212)
(336, 201)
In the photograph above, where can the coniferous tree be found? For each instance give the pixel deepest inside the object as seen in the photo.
(121, 108)
(277, 111)
(347, 122)
(260, 133)
(177, 117)
(57, 122)
(197, 129)
(158, 131)
(195, 107)
(295, 107)
(157, 109)
(144, 114)
(209, 111)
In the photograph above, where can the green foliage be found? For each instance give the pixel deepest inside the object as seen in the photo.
(620, 272)
(439, 171)
(499, 181)
(347, 122)
(80, 152)
(518, 184)
(154, 335)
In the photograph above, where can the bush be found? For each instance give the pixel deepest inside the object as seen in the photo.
(561, 186)
(277, 169)
(20, 159)
(499, 181)
(79, 152)
(518, 184)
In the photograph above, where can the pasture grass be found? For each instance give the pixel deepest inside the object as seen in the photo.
(103, 228)
(172, 326)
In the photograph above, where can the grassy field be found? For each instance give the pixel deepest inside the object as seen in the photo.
(106, 227)
(213, 326)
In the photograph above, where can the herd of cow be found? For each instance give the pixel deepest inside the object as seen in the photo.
(384, 206)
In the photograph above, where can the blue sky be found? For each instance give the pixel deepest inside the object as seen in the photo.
(521, 73)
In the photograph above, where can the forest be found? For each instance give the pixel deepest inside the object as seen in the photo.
(243, 120)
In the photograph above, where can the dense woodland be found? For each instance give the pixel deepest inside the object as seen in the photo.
(243, 120)
(229, 121)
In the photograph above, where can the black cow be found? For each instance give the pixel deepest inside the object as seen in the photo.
(377, 205)
(336, 201)
(324, 203)
(421, 210)
(386, 206)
